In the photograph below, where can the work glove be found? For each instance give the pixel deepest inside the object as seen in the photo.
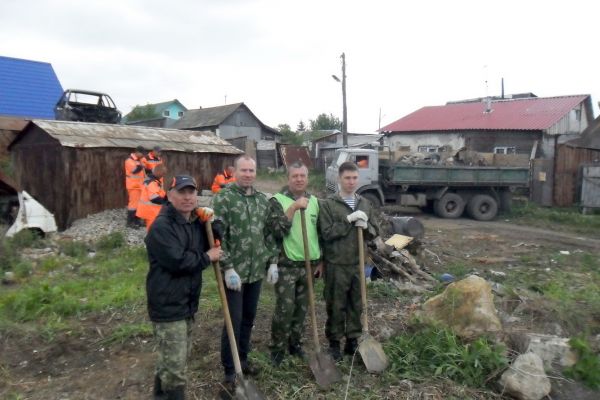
(205, 214)
(357, 215)
(232, 280)
(359, 223)
(272, 274)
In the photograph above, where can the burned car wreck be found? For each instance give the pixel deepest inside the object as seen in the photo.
(86, 106)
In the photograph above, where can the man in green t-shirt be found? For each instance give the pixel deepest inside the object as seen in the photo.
(290, 279)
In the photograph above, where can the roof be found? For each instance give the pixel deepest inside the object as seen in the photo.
(213, 116)
(160, 107)
(516, 114)
(590, 137)
(93, 135)
(29, 89)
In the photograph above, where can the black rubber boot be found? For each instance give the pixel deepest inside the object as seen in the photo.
(158, 392)
(176, 394)
(351, 346)
(131, 219)
(334, 350)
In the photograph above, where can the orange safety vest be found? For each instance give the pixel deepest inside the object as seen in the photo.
(146, 208)
(220, 181)
(151, 161)
(134, 180)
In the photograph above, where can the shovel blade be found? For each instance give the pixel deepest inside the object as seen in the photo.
(372, 354)
(324, 369)
(247, 390)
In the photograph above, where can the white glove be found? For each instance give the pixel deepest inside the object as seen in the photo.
(356, 215)
(232, 280)
(210, 213)
(272, 274)
(359, 223)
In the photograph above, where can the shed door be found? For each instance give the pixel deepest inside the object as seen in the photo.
(590, 186)
(542, 181)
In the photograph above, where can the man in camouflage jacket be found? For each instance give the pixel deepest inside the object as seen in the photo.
(291, 293)
(340, 215)
(248, 249)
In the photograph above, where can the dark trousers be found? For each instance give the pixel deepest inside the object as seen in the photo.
(242, 308)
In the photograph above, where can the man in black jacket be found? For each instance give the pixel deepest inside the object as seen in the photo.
(178, 251)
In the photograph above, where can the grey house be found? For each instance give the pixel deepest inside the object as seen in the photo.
(239, 126)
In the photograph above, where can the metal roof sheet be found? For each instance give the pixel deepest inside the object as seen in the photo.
(88, 135)
(516, 114)
(28, 88)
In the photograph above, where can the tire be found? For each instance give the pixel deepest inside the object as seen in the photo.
(482, 207)
(451, 205)
(373, 198)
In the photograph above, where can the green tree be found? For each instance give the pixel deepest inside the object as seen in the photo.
(288, 135)
(301, 127)
(325, 122)
(140, 113)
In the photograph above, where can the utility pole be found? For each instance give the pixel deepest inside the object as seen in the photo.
(344, 109)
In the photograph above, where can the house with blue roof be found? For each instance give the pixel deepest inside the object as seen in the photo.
(28, 89)
(165, 114)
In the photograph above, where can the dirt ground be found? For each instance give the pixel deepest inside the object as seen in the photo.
(78, 365)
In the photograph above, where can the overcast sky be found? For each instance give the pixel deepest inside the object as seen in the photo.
(278, 56)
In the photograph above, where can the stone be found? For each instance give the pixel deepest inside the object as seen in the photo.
(466, 307)
(9, 278)
(525, 379)
(553, 350)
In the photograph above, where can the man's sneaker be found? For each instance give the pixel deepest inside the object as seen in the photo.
(249, 368)
(334, 350)
(296, 350)
(351, 346)
(277, 358)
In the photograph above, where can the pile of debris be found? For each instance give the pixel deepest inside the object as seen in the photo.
(396, 258)
(94, 226)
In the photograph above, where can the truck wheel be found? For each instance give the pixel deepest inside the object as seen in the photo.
(373, 198)
(451, 205)
(482, 207)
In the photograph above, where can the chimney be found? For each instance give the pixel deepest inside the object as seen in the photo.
(488, 104)
(502, 94)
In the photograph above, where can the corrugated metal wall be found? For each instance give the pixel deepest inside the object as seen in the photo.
(567, 182)
(75, 182)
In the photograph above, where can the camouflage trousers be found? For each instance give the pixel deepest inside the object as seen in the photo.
(174, 341)
(342, 301)
(291, 293)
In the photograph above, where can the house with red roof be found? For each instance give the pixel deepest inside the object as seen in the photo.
(529, 126)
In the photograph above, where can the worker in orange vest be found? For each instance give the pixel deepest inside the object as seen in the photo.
(152, 159)
(134, 181)
(222, 179)
(153, 196)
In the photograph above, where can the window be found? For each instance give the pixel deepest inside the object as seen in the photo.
(505, 150)
(577, 115)
(166, 113)
(429, 149)
(180, 114)
(362, 162)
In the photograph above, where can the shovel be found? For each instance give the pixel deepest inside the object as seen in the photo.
(370, 349)
(246, 390)
(321, 364)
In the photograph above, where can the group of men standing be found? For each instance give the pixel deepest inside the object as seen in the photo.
(258, 237)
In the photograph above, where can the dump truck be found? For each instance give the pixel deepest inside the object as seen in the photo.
(449, 190)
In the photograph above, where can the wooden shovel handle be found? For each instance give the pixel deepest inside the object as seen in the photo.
(225, 306)
(309, 283)
(363, 279)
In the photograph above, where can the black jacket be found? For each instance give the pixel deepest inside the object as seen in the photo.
(177, 254)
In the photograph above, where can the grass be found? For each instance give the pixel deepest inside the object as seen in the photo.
(125, 332)
(529, 213)
(587, 367)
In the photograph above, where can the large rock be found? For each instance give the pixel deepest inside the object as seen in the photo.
(525, 379)
(466, 306)
(553, 350)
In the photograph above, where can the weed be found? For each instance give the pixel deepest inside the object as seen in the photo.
(438, 352)
(26, 238)
(532, 214)
(74, 249)
(128, 331)
(458, 269)
(587, 367)
(50, 264)
(383, 290)
(22, 269)
(111, 241)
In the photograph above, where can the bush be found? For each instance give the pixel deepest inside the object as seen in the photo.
(587, 367)
(437, 352)
(73, 249)
(111, 241)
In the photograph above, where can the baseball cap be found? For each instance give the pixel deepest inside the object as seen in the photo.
(181, 181)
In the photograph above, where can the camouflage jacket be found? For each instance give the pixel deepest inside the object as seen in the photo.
(338, 236)
(280, 226)
(247, 242)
